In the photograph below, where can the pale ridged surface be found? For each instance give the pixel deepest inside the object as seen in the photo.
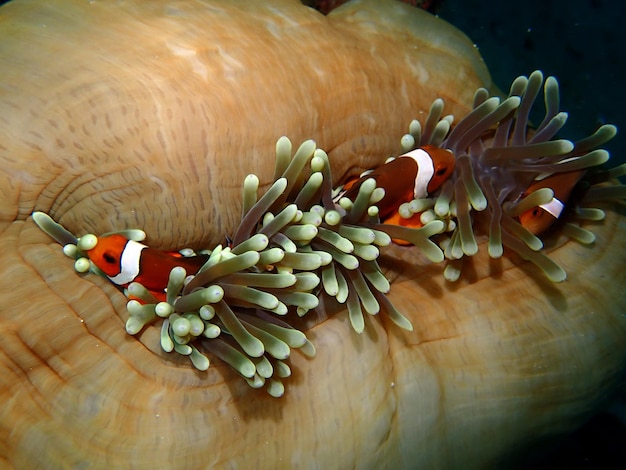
(150, 117)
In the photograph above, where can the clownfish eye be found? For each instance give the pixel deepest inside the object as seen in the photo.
(536, 212)
(441, 171)
(109, 258)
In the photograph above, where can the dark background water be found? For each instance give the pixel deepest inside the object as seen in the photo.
(580, 42)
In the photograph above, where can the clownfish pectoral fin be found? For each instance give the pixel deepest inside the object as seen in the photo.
(412, 222)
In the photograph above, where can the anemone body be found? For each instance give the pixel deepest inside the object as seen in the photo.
(152, 119)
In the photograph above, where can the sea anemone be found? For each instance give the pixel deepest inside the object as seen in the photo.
(499, 154)
(290, 240)
(153, 118)
(299, 239)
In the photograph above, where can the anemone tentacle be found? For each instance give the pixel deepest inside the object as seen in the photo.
(302, 240)
(293, 244)
(499, 155)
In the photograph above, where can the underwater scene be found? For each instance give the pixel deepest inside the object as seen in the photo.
(319, 234)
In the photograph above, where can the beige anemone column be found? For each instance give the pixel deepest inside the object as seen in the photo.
(149, 115)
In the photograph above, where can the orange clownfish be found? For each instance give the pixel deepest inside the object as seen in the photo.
(125, 261)
(412, 175)
(540, 218)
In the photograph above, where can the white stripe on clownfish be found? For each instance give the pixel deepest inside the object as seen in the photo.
(425, 171)
(129, 263)
(554, 207)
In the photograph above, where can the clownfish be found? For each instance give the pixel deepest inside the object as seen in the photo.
(125, 261)
(540, 218)
(413, 222)
(413, 175)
